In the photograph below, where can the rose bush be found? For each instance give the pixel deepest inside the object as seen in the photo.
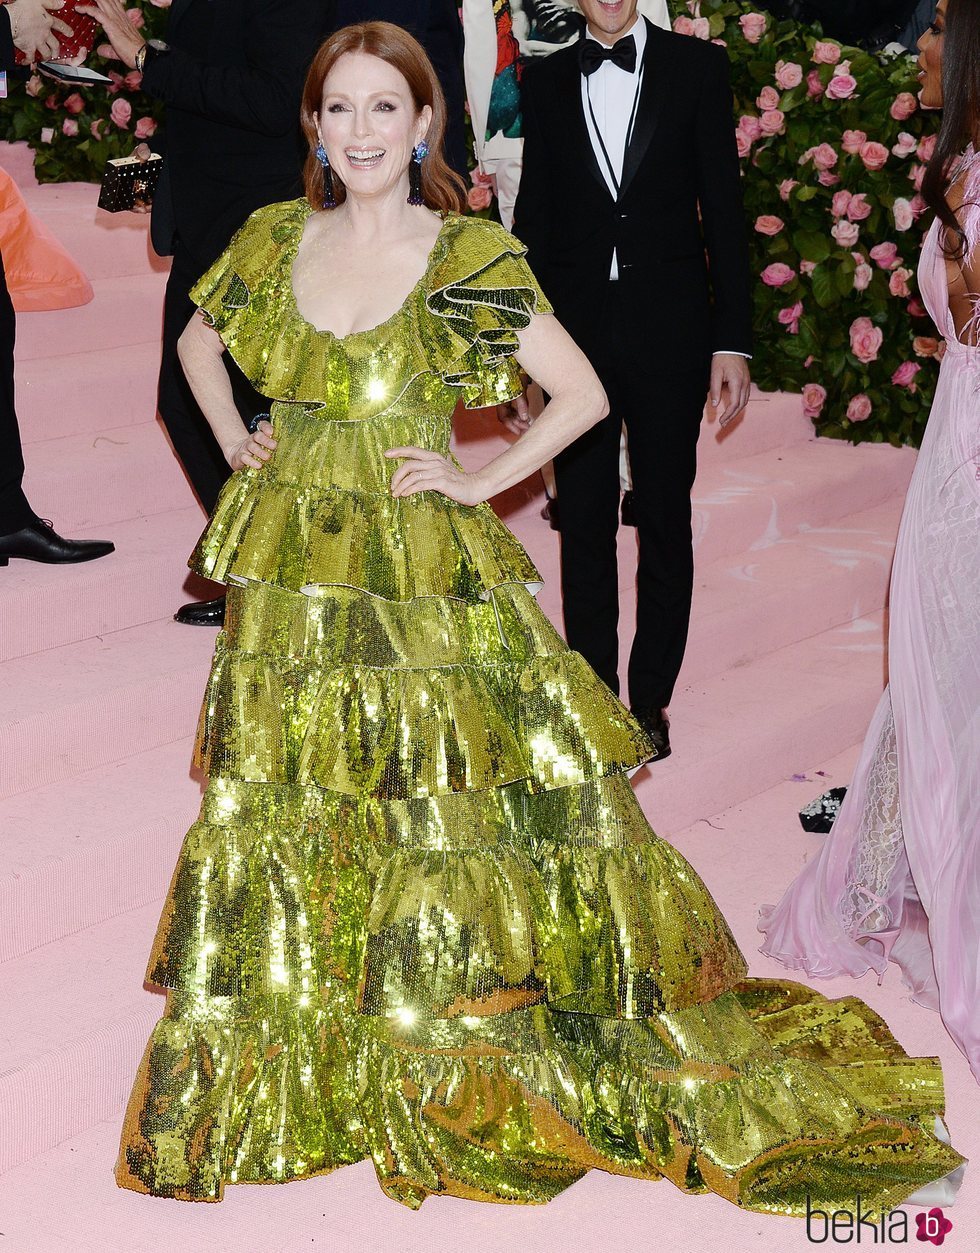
(838, 317)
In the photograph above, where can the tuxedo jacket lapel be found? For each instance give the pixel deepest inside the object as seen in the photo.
(650, 103)
(570, 119)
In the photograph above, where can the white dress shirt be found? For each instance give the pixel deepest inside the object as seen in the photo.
(612, 91)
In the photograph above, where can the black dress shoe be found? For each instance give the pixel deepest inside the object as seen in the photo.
(550, 513)
(202, 613)
(657, 726)
(628, 510)
(39, 541)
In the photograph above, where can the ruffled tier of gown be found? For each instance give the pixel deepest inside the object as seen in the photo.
(423, 920)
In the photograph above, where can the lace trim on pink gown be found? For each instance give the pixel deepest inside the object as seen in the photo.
(899, 874)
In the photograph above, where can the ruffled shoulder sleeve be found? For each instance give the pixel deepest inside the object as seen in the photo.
(246, 296)
(481, 293)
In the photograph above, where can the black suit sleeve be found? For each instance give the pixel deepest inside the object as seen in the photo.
(532, 209)
(280, 41)
(722, 212)
(7, 51)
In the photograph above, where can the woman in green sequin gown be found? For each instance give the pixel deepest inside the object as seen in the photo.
(421, 917)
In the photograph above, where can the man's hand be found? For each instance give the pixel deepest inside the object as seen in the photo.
(120, 31)
(515, 415)
(34, 29)
(731, 383)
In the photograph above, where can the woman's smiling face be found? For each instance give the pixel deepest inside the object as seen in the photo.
(930, 47)
(368, 124)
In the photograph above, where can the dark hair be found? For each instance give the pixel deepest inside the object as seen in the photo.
(442, 187)
(961, 114)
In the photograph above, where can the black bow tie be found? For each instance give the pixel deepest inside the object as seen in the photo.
(591, 54)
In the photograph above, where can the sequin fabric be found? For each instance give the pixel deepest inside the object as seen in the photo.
(421, 917)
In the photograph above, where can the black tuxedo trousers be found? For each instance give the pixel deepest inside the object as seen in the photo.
(15, 512)
(662, 411)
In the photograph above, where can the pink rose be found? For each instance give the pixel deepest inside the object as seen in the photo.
(824, 157)
(702, 28)
(133, 80)
(786, 188)
(886, 255)
(906, 145)
(859, 209)
(827, 178)
(807, 267)
(904, 376)
(925, 346)
(773, 122)
(790, 317)
(753, 26)
(841, 87)
(852, 141)
(788, 75)
(769, 224)
(927, 146)
(145, 127)
(898, 282)
(862, 275)
(743, 143)
(903, 106)
(777, 275)
(69, 127)
(684, 26)
(917, 175)
(74, 103)
(859, 410)
(814, 84)
(768, 98)
(478, 198)
(918, 205)
(814, 397)
(846, 233)
(902, 212)
(722, 43)
(866, 340)
(874, 155)
(34, 86)
(751, 126)
(838, 206)
(116, 83)
(135, 18)
(47, 134)
(916, 308)
(825, 53)
(96, 128)
(121, 112)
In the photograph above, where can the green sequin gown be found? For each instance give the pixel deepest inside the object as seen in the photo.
(421, 917)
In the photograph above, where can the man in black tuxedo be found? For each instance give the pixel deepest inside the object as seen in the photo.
(231, 75)
(630, 207)
(22, 533)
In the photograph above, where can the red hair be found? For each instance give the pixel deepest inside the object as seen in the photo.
(442, 187)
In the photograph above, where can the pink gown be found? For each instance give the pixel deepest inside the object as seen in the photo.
(899, 874)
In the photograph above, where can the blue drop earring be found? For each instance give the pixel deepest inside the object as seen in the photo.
(329, 199)
(419, 153)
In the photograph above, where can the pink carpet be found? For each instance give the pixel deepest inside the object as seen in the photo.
(99, 693)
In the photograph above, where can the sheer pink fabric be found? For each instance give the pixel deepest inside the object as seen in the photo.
(899, 874)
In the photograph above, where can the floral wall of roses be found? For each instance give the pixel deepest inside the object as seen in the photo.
(833, 147)
(75, 130)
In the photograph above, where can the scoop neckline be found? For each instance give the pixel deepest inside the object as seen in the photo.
(371, 330)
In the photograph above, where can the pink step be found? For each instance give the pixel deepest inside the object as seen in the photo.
(739, 732)
(142, 581)
(78, 852)
(84, 482)
(18, 161)
(103, 244)
(83, 393)
(84, 705)
(126, 310)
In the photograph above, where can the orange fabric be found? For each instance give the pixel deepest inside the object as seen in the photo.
(40, 273)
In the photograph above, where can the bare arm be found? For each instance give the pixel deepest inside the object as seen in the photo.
(963, 273)
(200, 350)
(553, 359)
